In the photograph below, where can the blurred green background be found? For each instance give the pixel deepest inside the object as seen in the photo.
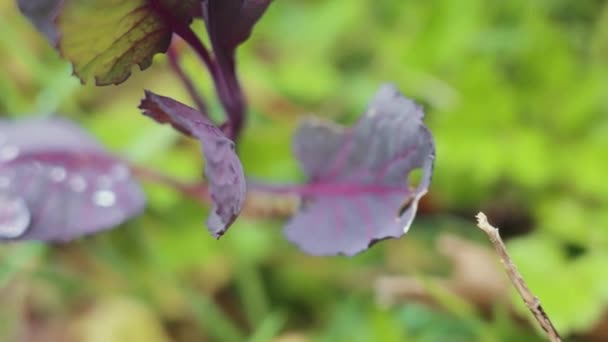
(516, 94)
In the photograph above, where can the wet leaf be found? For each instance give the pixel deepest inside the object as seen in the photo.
(57, 183)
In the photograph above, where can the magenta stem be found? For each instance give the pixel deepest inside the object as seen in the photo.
(326, 189)
(224, 76)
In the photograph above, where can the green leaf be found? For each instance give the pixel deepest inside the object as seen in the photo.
(104, 39)
(220, 327)
(539, 258)
(269, 327)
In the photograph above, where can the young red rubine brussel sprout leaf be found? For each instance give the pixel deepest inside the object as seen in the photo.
(57, 183)
(358, 190)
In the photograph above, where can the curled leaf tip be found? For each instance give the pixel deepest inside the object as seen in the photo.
(223, 168)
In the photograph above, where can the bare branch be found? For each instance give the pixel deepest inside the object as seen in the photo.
(516, 278)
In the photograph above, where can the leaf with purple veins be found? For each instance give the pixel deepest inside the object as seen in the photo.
(223, 168)
(57, 183)
(358, 190)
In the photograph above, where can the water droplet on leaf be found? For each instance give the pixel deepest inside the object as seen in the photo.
(58, 174)
(14, 216)
(104, 198)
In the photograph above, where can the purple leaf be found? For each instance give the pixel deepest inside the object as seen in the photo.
(57, 183)
(223, 168)
(230, 22)
(42, 13)
(358, 190)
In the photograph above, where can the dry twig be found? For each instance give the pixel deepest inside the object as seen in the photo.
(516, 278)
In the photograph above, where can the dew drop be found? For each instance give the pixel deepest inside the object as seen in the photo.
(104, 198)
(8, 153)
(58, 174)
(14, 216)
(78, 184)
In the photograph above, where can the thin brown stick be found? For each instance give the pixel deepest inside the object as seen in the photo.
(516, 278)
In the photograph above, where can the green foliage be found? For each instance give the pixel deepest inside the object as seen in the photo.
(577, 285)
(516, 97)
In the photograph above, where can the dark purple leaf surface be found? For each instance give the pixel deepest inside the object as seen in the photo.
(223, 168)
(42, 13)
(57, 183)
(358, 190)
(230, 22)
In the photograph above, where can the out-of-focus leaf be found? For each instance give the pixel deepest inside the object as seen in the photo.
(223, 168)
(17, 259)
(42, 14)
(269, 328)
(105, 40)
(58, 183)
(585, 305)
(358, 191)
(213, 318)
(426, 324)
